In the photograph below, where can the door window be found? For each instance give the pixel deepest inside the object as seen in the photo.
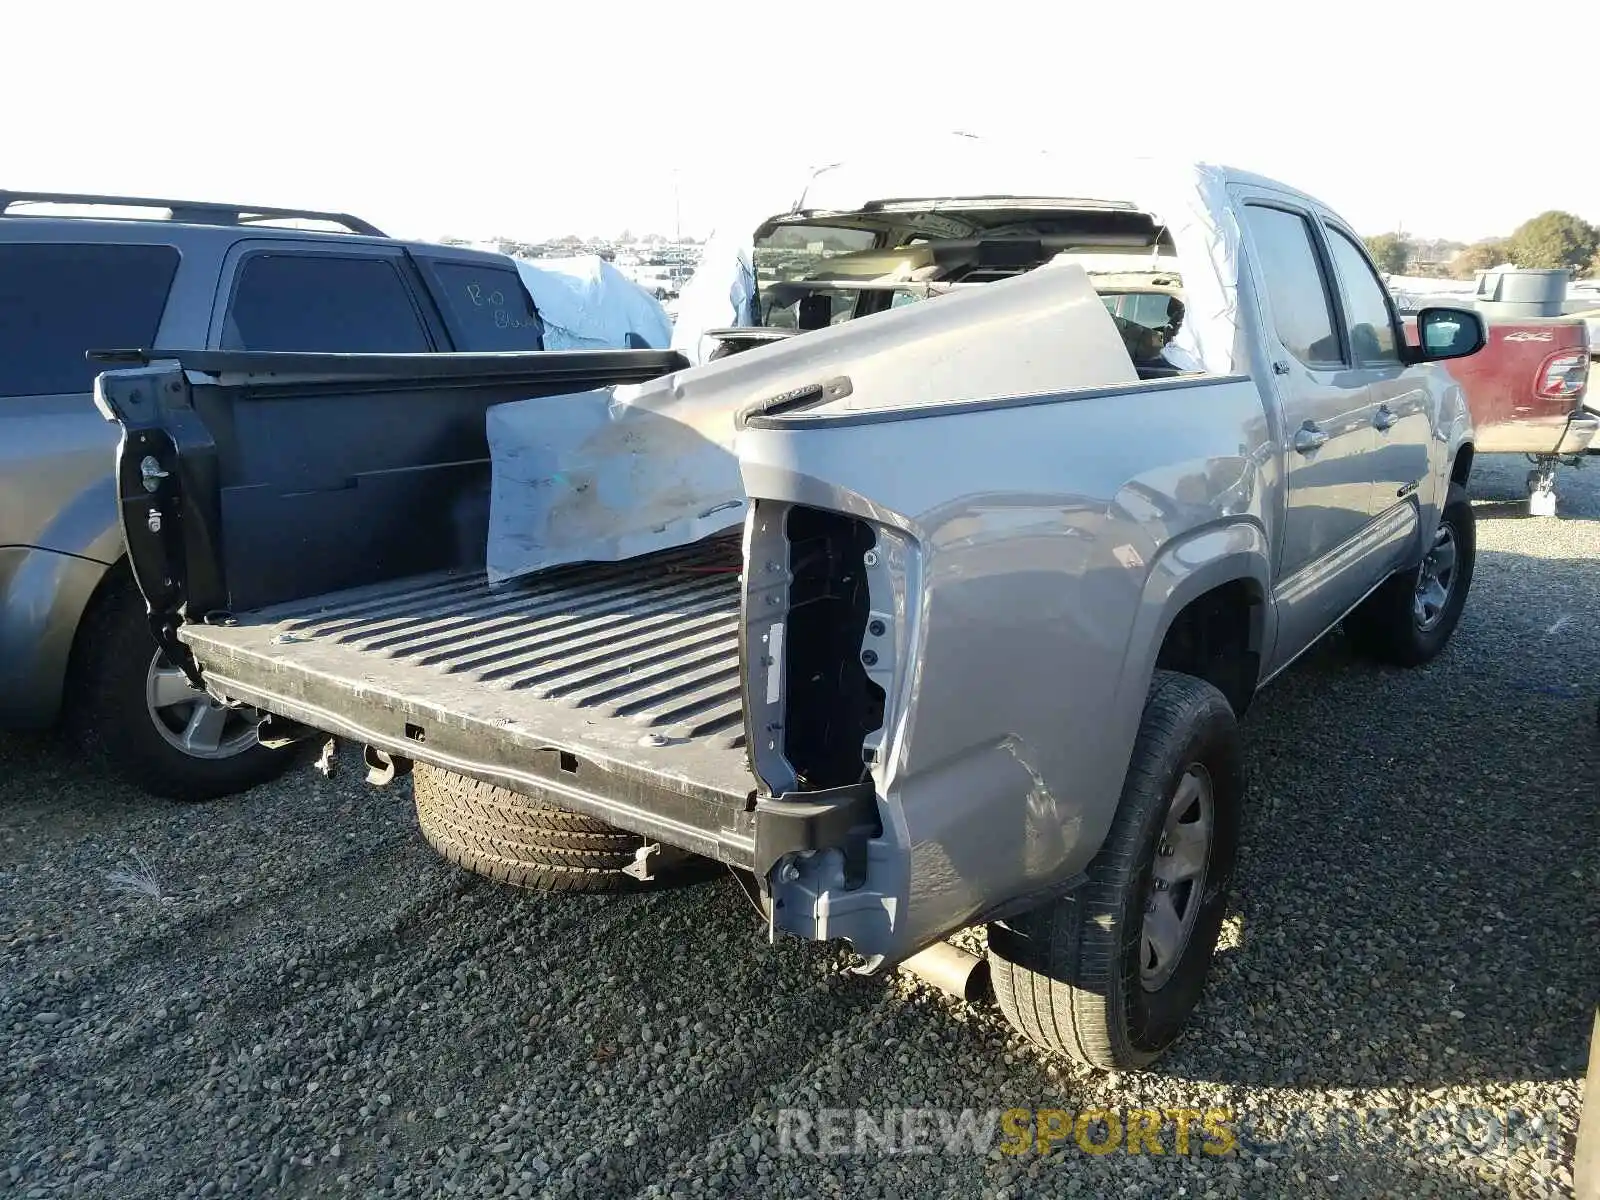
(58, 301)
(323, 303)
(1366, 304)
(487, 307)
(1297, 289)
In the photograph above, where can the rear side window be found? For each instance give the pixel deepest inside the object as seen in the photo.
(1371, 327)
(1153, 310)
(323, 303)
(58, 301)
(1297, 290)
(487, 307)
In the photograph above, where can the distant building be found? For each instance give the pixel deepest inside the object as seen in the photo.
(1432, 257)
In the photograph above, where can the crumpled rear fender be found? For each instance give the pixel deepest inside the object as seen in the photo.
(1029, 554)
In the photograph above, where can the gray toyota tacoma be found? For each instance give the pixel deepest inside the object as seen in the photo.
(966, 639)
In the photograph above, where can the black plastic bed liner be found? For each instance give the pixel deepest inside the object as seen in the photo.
(612, 689)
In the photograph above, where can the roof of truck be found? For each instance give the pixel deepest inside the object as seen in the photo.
(194, 212)
(961, 166)
(48, 216)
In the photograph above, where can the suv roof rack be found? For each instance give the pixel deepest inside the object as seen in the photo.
(193, 212)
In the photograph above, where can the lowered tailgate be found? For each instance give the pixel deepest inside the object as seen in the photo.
(309, 533)
(613, 689)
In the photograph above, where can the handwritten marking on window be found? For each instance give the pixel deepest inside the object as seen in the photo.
(494, 299)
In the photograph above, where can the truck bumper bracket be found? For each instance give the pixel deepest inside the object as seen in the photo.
(841, 818)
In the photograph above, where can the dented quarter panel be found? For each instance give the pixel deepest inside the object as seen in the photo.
(1043, 556)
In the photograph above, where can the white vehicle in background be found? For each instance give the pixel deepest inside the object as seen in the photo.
(662, 275)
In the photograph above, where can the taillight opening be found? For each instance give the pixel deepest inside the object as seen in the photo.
(833, 703)
(1563, 376)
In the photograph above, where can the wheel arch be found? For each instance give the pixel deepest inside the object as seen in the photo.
(43, 608)
(112, 587)
(1206, 610)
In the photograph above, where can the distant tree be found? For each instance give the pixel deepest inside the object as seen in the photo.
(1553, 240)
(625, 237)
(1391, 251)
(1593, 269)
(1479, 256)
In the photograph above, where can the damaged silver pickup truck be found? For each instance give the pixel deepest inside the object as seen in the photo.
(925, 614)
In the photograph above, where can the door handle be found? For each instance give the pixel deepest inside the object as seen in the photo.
(1308, 438)
(1385, 420)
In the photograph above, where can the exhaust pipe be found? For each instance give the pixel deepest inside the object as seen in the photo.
(950, 969)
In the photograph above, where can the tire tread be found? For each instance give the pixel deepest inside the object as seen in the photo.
(107, 717)
(520, 840)
(1382, 625)
(1057, 972)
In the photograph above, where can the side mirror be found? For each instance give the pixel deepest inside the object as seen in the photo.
(1444, 333)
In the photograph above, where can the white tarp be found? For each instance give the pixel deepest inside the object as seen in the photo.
(588, 304)
(604, 475)
(722, 291)
(1190, 199)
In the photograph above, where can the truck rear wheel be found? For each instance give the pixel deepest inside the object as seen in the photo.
(1109, 973)
(1409, 620)
(157, 731)
(518, 839)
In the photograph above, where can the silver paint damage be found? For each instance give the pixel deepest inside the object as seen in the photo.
(613, 473)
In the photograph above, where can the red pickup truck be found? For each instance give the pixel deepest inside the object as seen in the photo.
(1526, 388)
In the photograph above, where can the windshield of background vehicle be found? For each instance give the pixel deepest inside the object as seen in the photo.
(796, 252)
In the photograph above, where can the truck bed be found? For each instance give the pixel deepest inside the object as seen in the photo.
(627, 669)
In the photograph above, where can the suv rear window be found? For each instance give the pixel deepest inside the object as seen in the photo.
(323, 303)
(487, 307)
(59, 300)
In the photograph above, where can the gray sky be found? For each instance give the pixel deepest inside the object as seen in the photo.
(525, 119)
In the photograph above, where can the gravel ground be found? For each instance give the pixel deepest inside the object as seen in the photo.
(289, 992)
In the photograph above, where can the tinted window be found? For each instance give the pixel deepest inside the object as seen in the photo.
(1371, 330)
(1297, 292)
(487, 307)
(56, 302)
(796, 251)
(815, 310)
(319, 302)
(1153, 310)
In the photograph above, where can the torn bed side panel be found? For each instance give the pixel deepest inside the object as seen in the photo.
(606, 475)
(610, 474)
